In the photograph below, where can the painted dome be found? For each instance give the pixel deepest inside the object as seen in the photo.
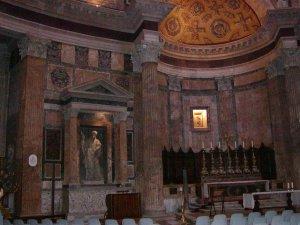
(203, 22)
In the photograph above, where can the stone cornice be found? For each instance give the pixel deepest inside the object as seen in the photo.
(33, 46)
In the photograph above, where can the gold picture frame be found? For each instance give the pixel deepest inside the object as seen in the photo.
(200, 119)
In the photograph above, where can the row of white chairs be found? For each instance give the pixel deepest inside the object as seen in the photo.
(288, 217)
(91, 221)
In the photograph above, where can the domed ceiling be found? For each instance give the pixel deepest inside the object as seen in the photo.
(202, 22)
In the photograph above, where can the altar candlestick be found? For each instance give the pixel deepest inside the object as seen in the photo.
(211, 145)
(243, 144)
(202, 144)
(219, 145)
(252, 144)
(288, 186)
(292, 185)
(235, 145)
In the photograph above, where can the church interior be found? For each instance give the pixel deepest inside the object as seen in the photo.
(149, 112)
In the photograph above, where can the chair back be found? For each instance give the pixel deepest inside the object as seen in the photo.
(219, 219)
(269, 216)
(286, 214)
(6, 222)
(47, 222)
(62, 222)
(202, 220)
(32, 222)
(259, 219)
(94, 221)
(238, 221)
(18, 222)
(251, 217)
(295, 219)
(111, 222)
(277, 220)
(77, 222)
(234, 217)
(146, 221)
(128, 221)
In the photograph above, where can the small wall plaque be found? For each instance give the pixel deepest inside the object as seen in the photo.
(32, 160)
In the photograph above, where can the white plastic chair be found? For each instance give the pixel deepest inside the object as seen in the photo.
(18, 222)
(269, 216)
(219, 219)
(251, 217)
(146, 221)
(235, 217)
(277, 220)
(77, 222)
(295, 219)
(239, 221)
(32, 222)
(202, 220)
(128, 221)
(47, 222)
(111, 222)
(286, 214)
(94, 221)
(6, 222)
(61, 222)
(259, 220)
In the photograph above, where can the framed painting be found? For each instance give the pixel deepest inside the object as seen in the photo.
(93, 152)
(200, 119)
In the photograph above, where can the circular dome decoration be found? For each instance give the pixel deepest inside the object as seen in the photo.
(203, 22)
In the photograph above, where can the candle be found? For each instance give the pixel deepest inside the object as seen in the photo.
(243, 144)
(211, 145)
(235, 145)
(252, 144)
(292, 185)
(288, 186)
(202, 144)
(219, 144)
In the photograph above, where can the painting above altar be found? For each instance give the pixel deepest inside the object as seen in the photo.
(93, 154)
(200, 119)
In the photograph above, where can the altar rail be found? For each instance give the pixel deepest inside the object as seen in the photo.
(210, 163)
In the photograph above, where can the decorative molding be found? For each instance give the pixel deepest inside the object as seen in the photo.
(33, 46)
(147, 52)
(60, 77)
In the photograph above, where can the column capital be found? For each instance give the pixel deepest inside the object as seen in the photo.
(174, 83)
(33, 46)
(146, 51)
(119, 117)
(288, 57)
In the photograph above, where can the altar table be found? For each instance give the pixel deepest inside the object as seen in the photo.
(251, 201)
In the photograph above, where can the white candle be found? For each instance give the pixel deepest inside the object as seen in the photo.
(202, 144)
(288, 186)
(219, 144)
(252, 144)
(235, 145)
(292, 185)
(243, 144)
(211, 145)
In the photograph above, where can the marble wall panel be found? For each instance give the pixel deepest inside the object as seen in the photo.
(54, 52)
(93, 58)
(194, 138)
(81, 57)
(82, 76)
(54, 118)
(253, 116)
(117, 61)
(104, 60)
(68, 54)
(198, 84)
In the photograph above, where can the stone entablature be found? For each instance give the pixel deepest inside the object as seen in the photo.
(275, 20)
(103, 17)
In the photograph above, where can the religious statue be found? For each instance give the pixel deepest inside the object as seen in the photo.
(91, 149)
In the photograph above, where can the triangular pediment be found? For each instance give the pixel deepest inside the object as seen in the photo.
(100, 89)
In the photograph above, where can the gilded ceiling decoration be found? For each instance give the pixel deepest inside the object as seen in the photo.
(202, 22)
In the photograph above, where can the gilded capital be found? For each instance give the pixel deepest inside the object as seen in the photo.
(33, 46)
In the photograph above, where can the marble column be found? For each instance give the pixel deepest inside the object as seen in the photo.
(284, 89)
(30, 124)
(152, 173)
(71, 151)
(4, 88)
(121, 169)
(227, 111)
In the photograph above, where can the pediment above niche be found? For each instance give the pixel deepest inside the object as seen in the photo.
(99, 90)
